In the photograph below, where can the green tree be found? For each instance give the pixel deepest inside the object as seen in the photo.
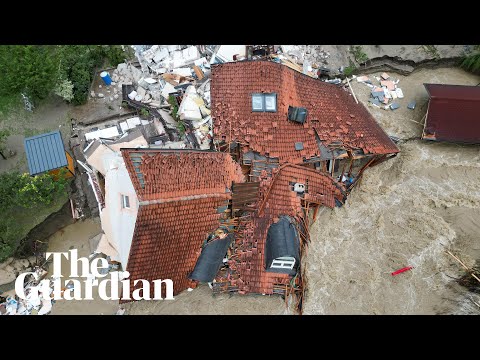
(3, 139)
(28, 191)
(472, 63)
(32, 69)
(8, 234)
(19, 192)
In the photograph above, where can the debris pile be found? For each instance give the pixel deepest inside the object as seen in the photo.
(38, 299)
(385, 93)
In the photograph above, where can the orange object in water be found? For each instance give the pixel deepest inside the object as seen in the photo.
(402, 270)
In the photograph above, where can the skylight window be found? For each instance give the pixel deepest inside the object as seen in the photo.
(264, 102)
(270, 102)
(257, 102)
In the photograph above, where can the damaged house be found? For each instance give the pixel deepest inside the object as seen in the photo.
(238, 217)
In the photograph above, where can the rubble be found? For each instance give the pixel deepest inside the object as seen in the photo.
(385, 92)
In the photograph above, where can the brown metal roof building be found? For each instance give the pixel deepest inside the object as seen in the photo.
(453, 113)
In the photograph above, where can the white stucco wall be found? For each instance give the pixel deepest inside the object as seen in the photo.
(118, 223)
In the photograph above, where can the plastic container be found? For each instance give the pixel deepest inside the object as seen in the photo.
(106, 78)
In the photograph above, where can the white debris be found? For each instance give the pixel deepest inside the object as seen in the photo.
(133, 122)
(100, 95)
(132, 95)
(189, 110)
(399, 93)
(225, 52)
(168, 88)
(141, 92)
(160, 55)
(150, 80)
(107, 133)
(182, 71)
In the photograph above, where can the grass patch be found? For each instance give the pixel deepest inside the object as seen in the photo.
(349, 69)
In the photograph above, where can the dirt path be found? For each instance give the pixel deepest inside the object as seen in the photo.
(402, 214)
(76, 236)
(51, 115)
(200, 301)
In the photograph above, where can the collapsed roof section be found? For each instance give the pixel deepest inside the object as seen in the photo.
(277, 198)
(331, 112)
(181, 198)
(453, 113)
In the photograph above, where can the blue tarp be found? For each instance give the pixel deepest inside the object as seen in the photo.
(45, 152)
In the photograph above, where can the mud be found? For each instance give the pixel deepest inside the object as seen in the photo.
(76, 236)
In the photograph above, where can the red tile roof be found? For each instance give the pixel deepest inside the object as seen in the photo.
(163, 174)
(178, 208)
(332, 112)
(167, 239)
(280, 199)
(453, 113)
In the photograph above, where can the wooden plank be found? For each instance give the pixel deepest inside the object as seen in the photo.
(198, 72)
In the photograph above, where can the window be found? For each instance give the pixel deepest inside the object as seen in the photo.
(125, 202)
(264, 102)
(283, 263)
(270, 102)
(257, 102)
(297, 114)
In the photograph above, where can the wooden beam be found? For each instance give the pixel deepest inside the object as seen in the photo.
(465, 266)
(350, 86)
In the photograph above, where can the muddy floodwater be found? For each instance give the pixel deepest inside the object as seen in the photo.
(404, 213)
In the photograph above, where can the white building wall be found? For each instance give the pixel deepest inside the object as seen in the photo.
(119, 223)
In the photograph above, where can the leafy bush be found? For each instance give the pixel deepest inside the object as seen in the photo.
(36, 70)
(173, 103)
(349, 70)
(26, 191)
(472, 63)
(19, 192)
(3, 138)
(359, 55)
(144, 113)
(114, 54)
(64, 89)
(8, 234)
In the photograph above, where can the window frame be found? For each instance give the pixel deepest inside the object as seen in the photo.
(274, 95)
(283, 262)
(264, 96)
(262, 100)
(125, 201)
